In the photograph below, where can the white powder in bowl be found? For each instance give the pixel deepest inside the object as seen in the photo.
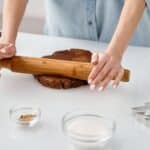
(89, 128)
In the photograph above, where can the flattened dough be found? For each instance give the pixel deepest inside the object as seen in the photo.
(59, 82)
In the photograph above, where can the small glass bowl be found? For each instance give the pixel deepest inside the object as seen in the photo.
(25, 116)
(88, 129)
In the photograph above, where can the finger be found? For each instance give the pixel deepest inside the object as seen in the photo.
(94, 59)
(3, 45)
(118, 78)
(107, 80)
(102, 74)
(92, 87)
(11, 49)
(7, 51)
(3, 52)
(3, 48)
(96, 69)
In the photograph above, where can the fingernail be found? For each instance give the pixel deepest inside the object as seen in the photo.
(114, 86)
(94, 60)
(89, 81)
(3, 50)
(10, 44)
(92, 87)
(101, 89)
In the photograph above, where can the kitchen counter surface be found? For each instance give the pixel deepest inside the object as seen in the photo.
(24, 90)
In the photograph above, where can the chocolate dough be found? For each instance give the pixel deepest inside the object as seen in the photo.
(59, 82)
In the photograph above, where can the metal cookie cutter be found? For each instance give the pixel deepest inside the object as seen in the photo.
(147, 115)
(142, 113)
(139, 112)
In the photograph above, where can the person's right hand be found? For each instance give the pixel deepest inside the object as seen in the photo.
(7, 50)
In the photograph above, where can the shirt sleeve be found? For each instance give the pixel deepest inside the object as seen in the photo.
(147, 3)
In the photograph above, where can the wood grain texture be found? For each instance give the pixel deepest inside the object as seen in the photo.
(32, 65)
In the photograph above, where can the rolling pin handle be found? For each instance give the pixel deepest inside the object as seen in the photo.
(5, 63)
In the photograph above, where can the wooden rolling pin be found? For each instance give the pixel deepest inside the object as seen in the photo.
(31, 65)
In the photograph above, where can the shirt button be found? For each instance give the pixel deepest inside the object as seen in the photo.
(90, 23)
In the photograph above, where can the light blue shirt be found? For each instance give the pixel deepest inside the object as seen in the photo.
(92, 20)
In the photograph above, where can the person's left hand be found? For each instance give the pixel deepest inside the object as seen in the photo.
(106, 66)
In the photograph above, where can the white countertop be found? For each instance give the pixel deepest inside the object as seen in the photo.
(21, 89)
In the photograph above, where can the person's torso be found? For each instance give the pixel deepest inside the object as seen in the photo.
(91, 19)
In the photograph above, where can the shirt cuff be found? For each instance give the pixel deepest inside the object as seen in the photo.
(147, 2)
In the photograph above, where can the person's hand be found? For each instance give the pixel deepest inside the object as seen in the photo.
(106, 66)
(7, 50)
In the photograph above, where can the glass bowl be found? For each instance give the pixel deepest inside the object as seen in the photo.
(88, 129)
(25, 116)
